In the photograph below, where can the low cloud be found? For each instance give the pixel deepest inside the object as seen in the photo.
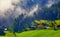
(33, 10)
(50, 3)
(6, 5)
(15, 8)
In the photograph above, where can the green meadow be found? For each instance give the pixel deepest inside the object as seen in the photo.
(35, 33)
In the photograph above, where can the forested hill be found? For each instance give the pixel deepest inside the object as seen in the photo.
(52, 13)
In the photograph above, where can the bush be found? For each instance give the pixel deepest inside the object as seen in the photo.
(1, 32)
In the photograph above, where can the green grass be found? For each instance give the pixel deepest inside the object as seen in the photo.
(35, 33)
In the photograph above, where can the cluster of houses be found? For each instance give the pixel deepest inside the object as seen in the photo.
(44, 24)
(38, 24)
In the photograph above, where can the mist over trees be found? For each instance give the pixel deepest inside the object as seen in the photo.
(52, 13)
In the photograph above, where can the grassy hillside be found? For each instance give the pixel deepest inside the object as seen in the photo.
(41, 33)
(35, 33)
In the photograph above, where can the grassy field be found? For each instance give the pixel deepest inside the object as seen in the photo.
(35, 33)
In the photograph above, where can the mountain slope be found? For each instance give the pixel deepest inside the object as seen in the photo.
(51, 13)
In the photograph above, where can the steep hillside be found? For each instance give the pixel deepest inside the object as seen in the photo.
(51, 13)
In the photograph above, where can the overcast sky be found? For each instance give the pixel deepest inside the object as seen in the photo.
(15, 7)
